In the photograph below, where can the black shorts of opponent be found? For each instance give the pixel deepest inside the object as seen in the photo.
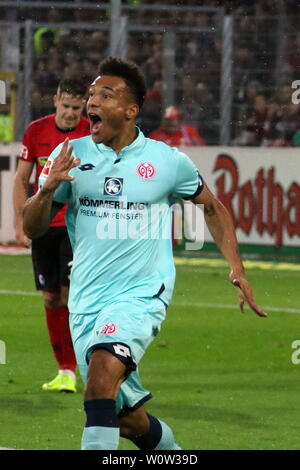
(52, 258)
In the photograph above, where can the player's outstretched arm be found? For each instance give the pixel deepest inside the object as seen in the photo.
(20, 196)
(220, 225)
(38, 210)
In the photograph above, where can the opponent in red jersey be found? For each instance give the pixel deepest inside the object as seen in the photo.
(52, 253)
(175, 133)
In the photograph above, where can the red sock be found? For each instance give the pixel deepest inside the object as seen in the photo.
(60, 337)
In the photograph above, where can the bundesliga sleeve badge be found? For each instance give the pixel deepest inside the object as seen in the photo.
(23, 152)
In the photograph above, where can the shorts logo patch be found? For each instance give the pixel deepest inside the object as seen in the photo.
(113, 186)
(146, 170)
(122, 350)
(109, 329)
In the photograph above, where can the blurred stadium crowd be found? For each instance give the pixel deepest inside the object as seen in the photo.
(264, 64)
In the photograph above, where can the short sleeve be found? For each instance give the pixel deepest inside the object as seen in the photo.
(63, 192)
(188, 182)
(27, 152)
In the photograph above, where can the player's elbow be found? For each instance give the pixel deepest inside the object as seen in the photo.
(209, 210)
(216, 211)
(32, 230)
(33, 224)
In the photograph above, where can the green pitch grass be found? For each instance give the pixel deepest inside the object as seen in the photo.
(221, 379)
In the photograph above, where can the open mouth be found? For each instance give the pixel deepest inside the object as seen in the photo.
(95, 122)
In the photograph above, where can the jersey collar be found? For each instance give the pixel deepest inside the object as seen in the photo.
(137, 144)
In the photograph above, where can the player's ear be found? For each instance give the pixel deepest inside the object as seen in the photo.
(55, 100)
(84, 103)
(132, 111)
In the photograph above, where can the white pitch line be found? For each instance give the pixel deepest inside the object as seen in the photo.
(19, 292)
(227, 306)
(178, 304)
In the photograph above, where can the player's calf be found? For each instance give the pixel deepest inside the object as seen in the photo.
(146, 431)
(134, 423)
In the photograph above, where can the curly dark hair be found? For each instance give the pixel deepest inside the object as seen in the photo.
(131, 74)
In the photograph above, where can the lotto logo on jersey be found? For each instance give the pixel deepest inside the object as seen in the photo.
(24, 152)
(146, 170)
(108, 329)
(86, 167)
(113, 186)
(46, 169)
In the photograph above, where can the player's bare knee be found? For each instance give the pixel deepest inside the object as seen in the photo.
(64, 295)
(97, 388)
(105, 376)
(51, 299)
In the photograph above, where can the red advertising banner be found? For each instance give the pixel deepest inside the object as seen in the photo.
(259, 186)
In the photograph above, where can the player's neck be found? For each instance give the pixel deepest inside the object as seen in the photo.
(60, 127)
(123, 139)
